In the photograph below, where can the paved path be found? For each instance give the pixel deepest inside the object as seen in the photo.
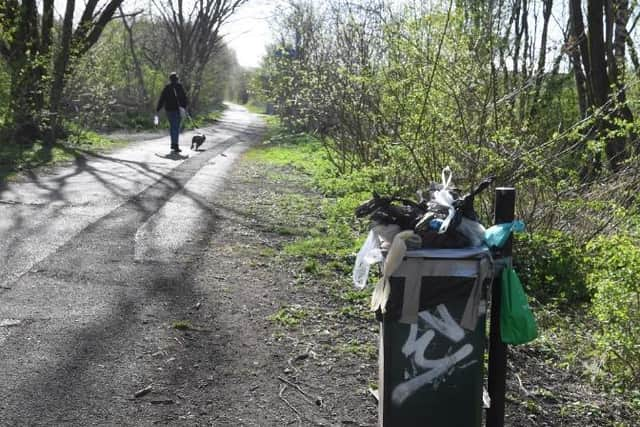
(90, 251)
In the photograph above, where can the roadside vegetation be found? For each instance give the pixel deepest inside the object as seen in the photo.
(573, 342)
(380, 96)
(384, 96)
(66, 85)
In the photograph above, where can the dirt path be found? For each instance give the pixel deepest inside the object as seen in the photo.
(168, 300)
(154, 307)
(297, 370)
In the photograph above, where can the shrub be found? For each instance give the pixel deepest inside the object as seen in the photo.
(614, 279)
(551, 267)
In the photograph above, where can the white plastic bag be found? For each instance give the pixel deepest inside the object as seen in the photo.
(444, 198)
(472, 230)
(386, 233)
(368, 255)
(394, 258)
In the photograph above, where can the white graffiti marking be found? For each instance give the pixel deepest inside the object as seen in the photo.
(445, 325)
(415, 347)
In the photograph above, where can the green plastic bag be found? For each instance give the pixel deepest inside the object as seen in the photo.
(517, 324)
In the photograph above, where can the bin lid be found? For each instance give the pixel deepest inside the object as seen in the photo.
(471, 252)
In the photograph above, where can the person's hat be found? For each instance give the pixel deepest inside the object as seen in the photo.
(173, 76)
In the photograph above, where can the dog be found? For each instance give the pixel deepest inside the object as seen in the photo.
(197, 141)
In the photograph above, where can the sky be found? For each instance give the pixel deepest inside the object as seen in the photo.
(247, 31)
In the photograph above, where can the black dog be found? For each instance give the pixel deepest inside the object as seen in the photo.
(197, 141)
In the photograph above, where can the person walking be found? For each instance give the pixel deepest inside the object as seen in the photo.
(174, 100)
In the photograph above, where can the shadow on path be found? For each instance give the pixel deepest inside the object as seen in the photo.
(95, 359)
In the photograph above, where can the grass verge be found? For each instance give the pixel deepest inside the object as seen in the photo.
(564, 349)
(16, 158)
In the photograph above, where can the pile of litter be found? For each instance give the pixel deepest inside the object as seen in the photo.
(442, 218)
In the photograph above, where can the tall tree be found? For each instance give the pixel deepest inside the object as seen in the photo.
(194, 35)
(601, 47)
(25, 44)
(134, 58)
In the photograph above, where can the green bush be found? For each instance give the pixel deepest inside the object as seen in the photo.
(551, 267)
(614, 279)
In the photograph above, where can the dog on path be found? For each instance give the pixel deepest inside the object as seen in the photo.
(197, 141)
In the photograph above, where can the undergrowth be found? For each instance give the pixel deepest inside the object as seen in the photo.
(78, 142)
(15, 158)
(574, 298)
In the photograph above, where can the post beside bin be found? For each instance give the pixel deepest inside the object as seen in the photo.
(432, 340)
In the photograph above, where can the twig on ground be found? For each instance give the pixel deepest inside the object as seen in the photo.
(298, 415)
(143, 391)
(306, 395)
(524, 390)
(293, 368)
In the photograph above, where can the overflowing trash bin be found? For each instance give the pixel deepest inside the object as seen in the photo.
(432, 339)
(431, 299)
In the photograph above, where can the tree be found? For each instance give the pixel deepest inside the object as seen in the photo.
(134, 58)
(26, 50)
(600, 68)
(26, 39)
(194, 36)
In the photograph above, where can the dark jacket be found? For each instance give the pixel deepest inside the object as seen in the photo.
(172, 96)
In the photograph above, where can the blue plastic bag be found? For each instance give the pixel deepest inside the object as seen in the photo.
(496, 236)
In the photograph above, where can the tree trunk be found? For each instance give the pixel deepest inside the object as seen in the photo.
(576, 36)
(25, 65)
(542, 55)
(582, 49)
(74, 44)
(136, 62)
(598, 76)
(60, 68)
(617, 150)
(633, 54)
(524, 79)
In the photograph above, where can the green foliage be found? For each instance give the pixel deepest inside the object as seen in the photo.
(298, 150)
(256, 106)
(565, 285)
(289, 316)
(182, 325)
(395, 97)
(5, 89)
(565, 336)
(22, 157)
(82, 138)
(18, 157)
(332, 242)
(551, 267)
(202, 120)
(362, 350)
(353, 296)
(614, 279)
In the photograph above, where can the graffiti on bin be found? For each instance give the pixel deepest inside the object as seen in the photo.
(415, 347)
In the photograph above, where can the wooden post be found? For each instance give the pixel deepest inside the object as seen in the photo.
(504, 212)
